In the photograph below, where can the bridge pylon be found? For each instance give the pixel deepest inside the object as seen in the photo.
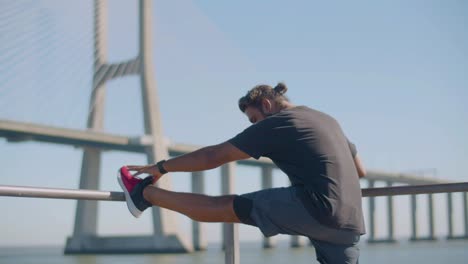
(166, 237)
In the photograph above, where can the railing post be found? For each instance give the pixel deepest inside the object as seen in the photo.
(198, 184)
(414, 215)
(449, 216)
(267, 183)
(230, 231)
(371, 214)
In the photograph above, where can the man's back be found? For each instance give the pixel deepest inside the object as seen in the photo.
(310, 147)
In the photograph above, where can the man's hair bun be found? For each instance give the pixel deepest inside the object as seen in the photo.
(255, 96)
(281, 88)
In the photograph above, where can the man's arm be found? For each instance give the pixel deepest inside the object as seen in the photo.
(203, 159)
(359, 166)
(357, 162)
(206, 158)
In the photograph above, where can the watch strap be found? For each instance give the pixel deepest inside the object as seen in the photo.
(160, 167)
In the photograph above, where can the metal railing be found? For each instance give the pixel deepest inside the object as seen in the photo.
(74, 194)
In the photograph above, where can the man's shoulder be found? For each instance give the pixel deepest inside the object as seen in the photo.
(310, 113)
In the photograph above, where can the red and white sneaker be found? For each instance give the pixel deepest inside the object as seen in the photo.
(133, 189)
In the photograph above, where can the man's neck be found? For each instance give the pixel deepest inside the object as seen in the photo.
(287, 105)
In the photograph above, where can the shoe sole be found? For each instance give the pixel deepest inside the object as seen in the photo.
(131, 206)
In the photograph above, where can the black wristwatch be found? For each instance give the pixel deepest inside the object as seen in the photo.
(160, 167)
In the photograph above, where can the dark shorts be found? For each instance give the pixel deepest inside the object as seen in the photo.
(280, 211)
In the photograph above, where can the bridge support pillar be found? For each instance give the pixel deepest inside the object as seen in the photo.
(390, 217)
(371, 214)
(414, 218)
(166, 237)
(451, 234)
(449, 216)
(465, 211)
(430, 201)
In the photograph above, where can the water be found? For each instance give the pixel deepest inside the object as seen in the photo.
(402, 252)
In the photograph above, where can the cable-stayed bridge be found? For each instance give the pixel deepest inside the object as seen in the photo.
(63, 65)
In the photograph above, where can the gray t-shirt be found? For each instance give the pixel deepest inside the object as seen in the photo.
(311, 148)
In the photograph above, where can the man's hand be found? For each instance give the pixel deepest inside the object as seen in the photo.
(148, 169)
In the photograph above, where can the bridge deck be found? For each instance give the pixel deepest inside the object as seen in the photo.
(19, 131)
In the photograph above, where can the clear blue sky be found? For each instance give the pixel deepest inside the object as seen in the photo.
(394, 73)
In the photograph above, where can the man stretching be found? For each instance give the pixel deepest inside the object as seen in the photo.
(323, 202)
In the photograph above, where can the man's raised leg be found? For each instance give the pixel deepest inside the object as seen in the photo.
(198, 207)
(140, 194)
